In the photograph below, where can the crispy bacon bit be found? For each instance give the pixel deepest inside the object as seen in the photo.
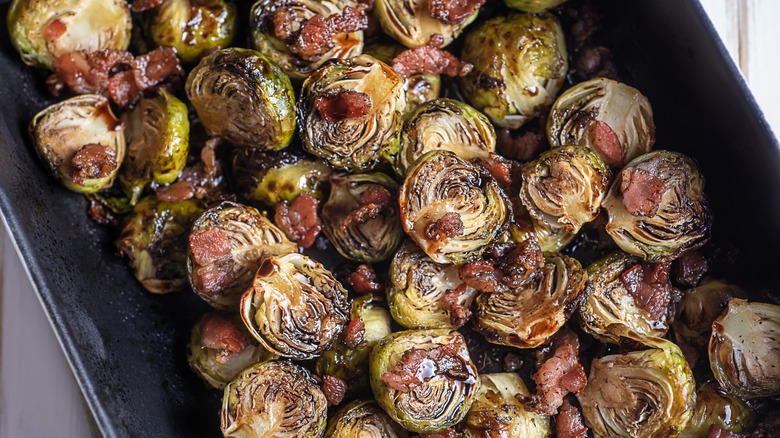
(717, 432)
(690, 268)
(176, 192)
(315, 36)
(506, 172)
(208, 245)
(527, 143)
(483, 276)
(596, 62)
(122, 89)
(92, 161)
(54, 30)
(354, 333)
(145, 5)
(430, 59)
(459, 314)
(557, 376)
(449, 225)
(515, 264)
(55, 86)
(569, 423)
(160, 66)
(417, 365)
(649, 284)
(364, 280)
(642, 191)
(374, 201)
(220, 333)
(214, 278)
(607, 143)
(299, 220)
(338, 104)
(334, 389)
(100, 213)
(446, 433)
(453, 11)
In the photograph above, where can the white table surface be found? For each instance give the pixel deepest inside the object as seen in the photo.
(38, 394)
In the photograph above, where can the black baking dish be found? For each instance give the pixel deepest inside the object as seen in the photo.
(126, 346)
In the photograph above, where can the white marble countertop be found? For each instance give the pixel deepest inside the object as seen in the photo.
(35, 377)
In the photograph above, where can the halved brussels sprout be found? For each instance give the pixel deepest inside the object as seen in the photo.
(647, 393)
(155, 240)
(412, 24)
(533, 5)
(450, 208)
(496, 412)
(418, 287)
(42, 30)
(610, 117)
(528, 316)
(699, 307)
(715, 407)
(272, 177)
(610, 310)
(192, 27)
(656, 207)
(363, 419)
(745, 349)
(419, 87)
(262, 26)
(158, 141)
(444, 124)
(361, 216)
(80, 141)
(295, 307)
(220, 348)
(244, 97)
(564, 187)
(519, 63)
(274, 399)
(424, 379)
(225, 247)
(350, 112)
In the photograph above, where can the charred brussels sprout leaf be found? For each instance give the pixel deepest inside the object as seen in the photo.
(715, 407)
(656, 207)
(158, 136)
(450, 209)
(419, 286)
(225, 247)
(363, 419)
(528, 316)
(80, 141)
(419, 87)
(155, 240)
(444, 124)
(611, 118)
(361, 216)
(274, 399)
(519, 63)
(564, 187)
(244, 97)
(411, 23)
(350, 112)
(698, 309)
(533, 5)
(193, 28)
(497, 412)
(647, 393)
(424, 379)
(43, 30)
(745, 349)
(295, 307)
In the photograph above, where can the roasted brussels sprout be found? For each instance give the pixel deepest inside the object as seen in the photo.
(533, 5)
(361, 216)
(295, 307)
(656, 207)
(497, 412)
(450, 208)
(519, 63)
(264, 15)
(244, 97)
(413, 22)
(745, 349)
(419, 87)
(42, 30)
(564, 187)
(715, 407)
(363, 419)
(698, 309)
(220, 347)
(350, 112)
(444, 124)
(620, 301)
(419, 288)
(647, 393)
(611, 118)
(225, 247)
(528, 316)
(272, 177)
(192, 27)
(424, 379)
(158, 141)
(80, 141)
(274, 399)
(155, 240)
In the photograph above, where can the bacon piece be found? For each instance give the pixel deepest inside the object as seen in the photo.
(176, 192)
(449, 225)
(354, 333)
(690, 268)
(459, 314)
(483, 276)
(220, 333)
(642, 191)
(161, 66)
(207, 246)
(607, 143)
(338, 104)
(416, 365)
(649, 284)
(87, 73)
(364, 280)
(374, 201)
(214, 277)
(446, 433)
(453, 11)
(54, 30)
(515, 264)
(92, 161)
(315, 36)
(523, 147)
(506, 172)
(334, 389)
(596, 62)
(569, 422)
(122, 89)
(100, 213)
(717, 432)
(430, 59)
(145, 5)
(299, 220)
